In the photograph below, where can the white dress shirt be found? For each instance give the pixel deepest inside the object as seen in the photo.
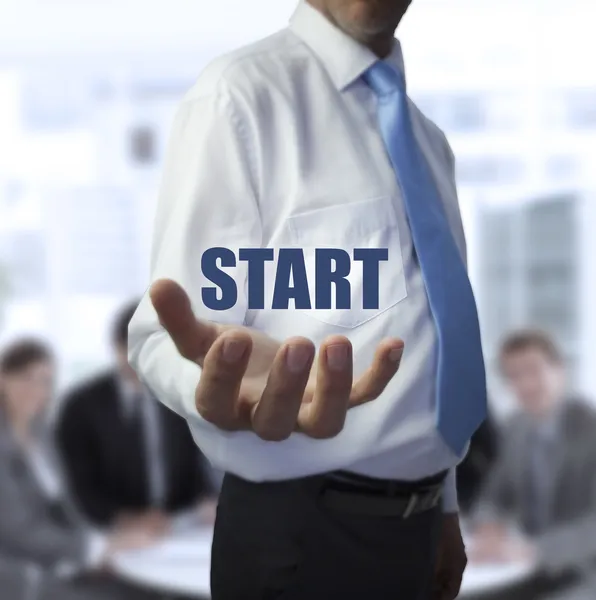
(277, 145)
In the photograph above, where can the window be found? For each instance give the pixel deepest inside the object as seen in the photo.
(23, 269)
(465, 113)
(504, 111)
(95, 241)
(561, 167)
(144, 88)
(454, 112)
(580, 108)
(55, 100)
(489, 169)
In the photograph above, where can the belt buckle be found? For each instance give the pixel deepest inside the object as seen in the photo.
(412, 503)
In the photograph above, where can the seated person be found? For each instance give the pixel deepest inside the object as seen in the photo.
(46, 552)
(128, 458)
(544, 482)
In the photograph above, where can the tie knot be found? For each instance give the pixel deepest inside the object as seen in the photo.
(384, 79)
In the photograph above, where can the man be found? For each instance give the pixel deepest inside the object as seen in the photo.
(545, 478)
(128, 458)
(307, 139)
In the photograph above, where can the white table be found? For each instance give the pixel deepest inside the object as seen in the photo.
(479, 580)
(180, 565)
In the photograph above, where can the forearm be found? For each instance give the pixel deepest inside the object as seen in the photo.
(94, 553)
(569, 546)
(45, 544)
(206, 200)
(157, 361)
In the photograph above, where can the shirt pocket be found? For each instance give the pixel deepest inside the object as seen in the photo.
(363, 224)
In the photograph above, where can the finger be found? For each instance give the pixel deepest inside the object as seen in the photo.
(274, 416)
(324, 417)
(216, 397)
(385, 365)
(193, 338)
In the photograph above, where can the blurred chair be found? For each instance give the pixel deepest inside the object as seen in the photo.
(127, 456)
(46, 551)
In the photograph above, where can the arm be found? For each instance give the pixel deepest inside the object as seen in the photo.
(568, 547)
(496, 498)
(27, 530)
(571, 545)
(207, 199)
(78, 457)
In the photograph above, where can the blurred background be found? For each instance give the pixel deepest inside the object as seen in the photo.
(87, 94)
(88, 90)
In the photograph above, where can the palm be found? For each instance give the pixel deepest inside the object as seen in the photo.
(264, 351)
(262, 358)
(251, 381)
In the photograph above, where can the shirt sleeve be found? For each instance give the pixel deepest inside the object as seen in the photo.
(207, 199)
(94, 554)
(450, 501)
(97, 546)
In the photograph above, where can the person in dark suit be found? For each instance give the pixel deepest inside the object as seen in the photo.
(47, 552)
(129, 458)
(473, 470)
(544, 481)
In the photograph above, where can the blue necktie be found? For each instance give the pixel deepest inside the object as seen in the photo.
(461, 379)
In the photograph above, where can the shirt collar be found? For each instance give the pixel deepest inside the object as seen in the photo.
(345, 59)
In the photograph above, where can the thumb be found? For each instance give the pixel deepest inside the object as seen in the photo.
(193, 338)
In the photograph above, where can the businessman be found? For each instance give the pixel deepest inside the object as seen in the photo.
(340, 470)
(545, 479)
(127, 457)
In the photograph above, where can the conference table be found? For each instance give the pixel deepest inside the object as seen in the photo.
(179, 566)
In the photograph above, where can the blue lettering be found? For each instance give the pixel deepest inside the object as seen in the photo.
(370, 257)
(226, 283)
(256, 258)
(325, 259)
(291, 264)
(332, 268)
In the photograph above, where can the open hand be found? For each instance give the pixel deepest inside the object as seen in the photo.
(250, 381)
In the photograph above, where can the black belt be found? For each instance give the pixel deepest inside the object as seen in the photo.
(356, 494)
